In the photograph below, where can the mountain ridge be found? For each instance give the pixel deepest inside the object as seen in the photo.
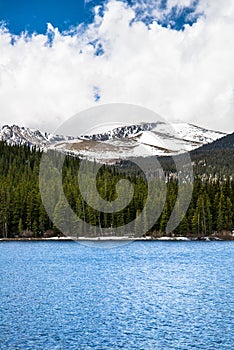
(20, 135)
(142, 139)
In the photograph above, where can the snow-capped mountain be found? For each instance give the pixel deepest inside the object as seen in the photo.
(121, 132)
(182, 131)
(142, 139)
(16, 135)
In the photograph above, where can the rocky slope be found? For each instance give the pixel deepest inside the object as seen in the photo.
(142, 139)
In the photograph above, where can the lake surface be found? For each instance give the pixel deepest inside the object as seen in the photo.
(143, 295)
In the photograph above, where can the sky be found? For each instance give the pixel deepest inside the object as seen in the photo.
(175, 57)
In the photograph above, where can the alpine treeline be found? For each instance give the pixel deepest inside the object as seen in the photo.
(22, 214)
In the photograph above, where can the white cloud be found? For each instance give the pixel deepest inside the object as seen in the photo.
(160, 9)
(186, 76)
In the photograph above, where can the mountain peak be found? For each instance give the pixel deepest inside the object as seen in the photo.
(140, 139)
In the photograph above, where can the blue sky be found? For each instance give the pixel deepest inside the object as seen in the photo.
(33, 16)
(21, 15)
(174, 57)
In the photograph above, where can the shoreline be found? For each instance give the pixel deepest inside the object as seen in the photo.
(119, 239)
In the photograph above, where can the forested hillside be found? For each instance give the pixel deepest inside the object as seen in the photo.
(216, 158)
(226, 142)
(22, 213)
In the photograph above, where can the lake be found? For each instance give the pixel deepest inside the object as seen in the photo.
(142, 295)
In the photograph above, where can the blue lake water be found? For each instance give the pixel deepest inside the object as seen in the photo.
(143, 295)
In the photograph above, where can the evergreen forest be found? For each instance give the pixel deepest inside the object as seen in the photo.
(22, 213)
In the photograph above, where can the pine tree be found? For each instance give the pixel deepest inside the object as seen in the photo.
(183, 228)
(20, 226)
(221, 213)
(202, 219)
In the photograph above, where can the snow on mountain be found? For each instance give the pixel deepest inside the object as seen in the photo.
(16, 135)
(188, 133)
(142, 139)
(195, 133)
(120, 132)
(179, 137)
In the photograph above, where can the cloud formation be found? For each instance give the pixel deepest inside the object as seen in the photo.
(182, 75)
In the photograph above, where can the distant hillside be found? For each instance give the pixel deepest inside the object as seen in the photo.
(226, 142)
(109, 143)
(214, 159)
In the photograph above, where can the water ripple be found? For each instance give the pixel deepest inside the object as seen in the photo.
(146, 295)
